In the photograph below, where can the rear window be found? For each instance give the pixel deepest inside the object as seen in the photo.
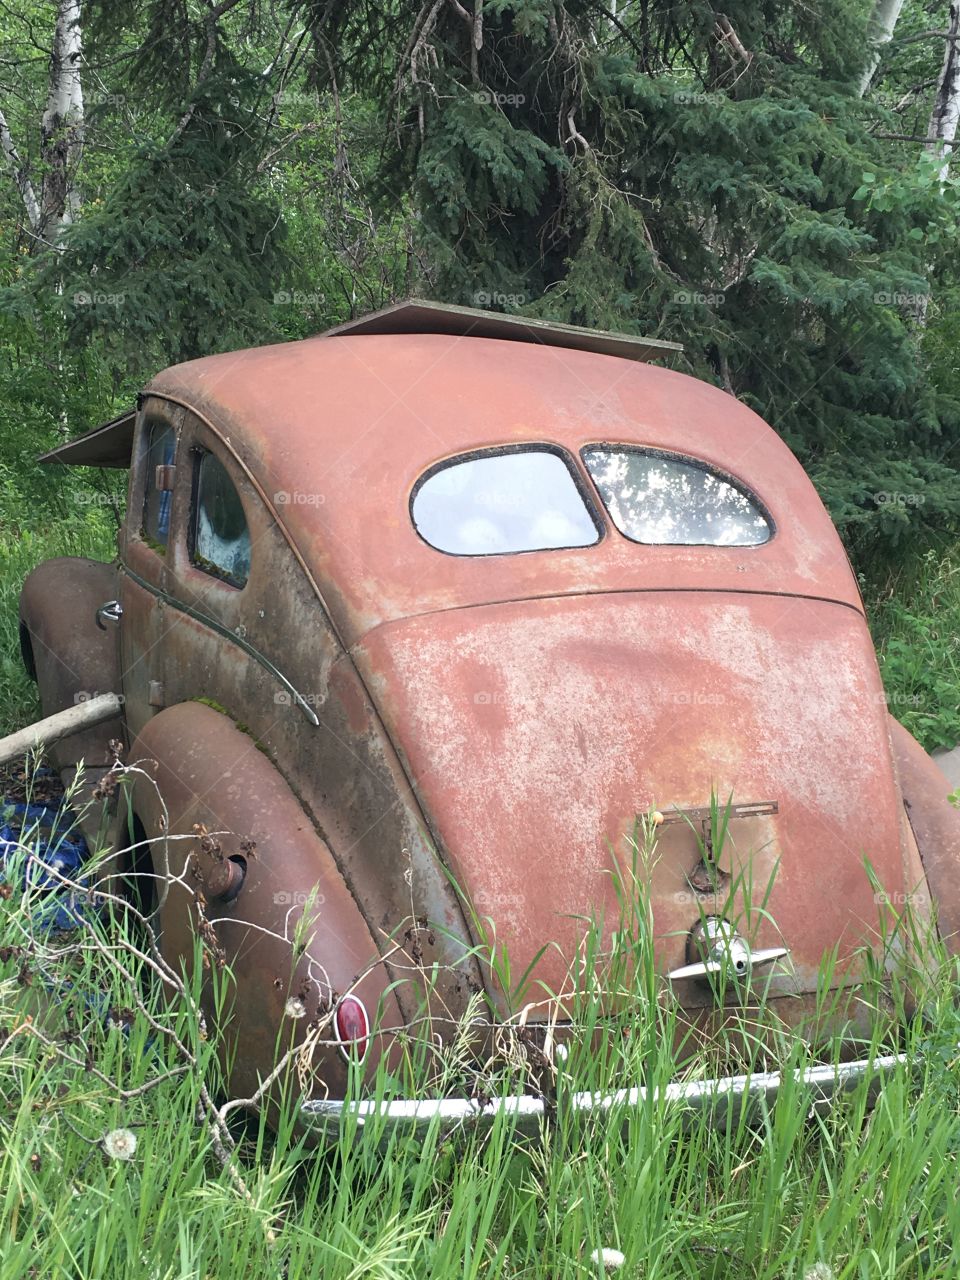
(665, 499)
(525, 499)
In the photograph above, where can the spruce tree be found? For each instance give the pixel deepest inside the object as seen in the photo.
(713, 179)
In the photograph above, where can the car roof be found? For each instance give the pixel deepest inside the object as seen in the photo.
(111, 444)
(338, 433)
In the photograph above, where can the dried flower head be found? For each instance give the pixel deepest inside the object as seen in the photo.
(120, 1144)
(295, 1008)
(612, 1259)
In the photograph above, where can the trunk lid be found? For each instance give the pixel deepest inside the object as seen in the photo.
(535, 731)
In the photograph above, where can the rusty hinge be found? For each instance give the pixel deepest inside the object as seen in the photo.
(166, 475)
(702, 817)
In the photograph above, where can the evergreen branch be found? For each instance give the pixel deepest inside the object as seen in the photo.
(907, 137)
(949, 36)
(268, 159)
(599, 7)
(214, 15)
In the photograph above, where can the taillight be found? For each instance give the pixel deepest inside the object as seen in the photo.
(352, 1027)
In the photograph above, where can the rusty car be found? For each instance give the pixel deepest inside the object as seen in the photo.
(429, 608)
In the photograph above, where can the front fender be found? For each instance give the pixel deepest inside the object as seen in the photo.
(72, 657)
(209, 771)
(936, 827)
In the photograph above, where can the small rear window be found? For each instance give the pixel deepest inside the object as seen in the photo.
(664, 499)
(525, 499)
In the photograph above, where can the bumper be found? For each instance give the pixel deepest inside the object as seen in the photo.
(724, 1101)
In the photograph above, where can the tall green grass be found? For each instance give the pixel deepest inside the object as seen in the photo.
(849, 1191)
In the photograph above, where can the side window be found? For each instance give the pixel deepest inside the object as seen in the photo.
(157, 500)
(219, 536)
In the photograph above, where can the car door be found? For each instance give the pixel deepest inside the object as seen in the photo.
(217, 519)
(144, 562)
(231, 595)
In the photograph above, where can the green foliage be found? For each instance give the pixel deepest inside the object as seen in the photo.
(748, 211)
(916, 624)
(653, 173)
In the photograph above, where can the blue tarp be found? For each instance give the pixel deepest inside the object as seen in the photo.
(38, 839)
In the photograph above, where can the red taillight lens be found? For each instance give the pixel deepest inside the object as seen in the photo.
(352, 1027)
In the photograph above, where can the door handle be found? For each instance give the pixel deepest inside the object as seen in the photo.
(112, 611)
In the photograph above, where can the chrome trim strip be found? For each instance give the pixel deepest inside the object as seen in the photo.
(221, 630)
(725, 1099)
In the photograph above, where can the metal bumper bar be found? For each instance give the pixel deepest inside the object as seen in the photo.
(723, 1100)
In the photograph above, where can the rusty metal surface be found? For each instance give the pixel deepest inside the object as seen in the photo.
(418, 316)
(936, 826)
(340, 764)
(210, 772)
(338, 430)
(537, 731)
(106, 446)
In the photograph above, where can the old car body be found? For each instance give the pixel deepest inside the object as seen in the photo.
(397, 713)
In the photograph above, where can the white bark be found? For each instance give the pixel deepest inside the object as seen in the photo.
(18, 171)
(61, 127)
(880, 28)
(946, 104)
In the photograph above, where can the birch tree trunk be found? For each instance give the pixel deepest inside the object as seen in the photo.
(61, 126)
(942, 128)
(20, 174)
(880, 30)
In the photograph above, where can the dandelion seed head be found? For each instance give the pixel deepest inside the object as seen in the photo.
(120, 1144)
(612, 1259)
(295, 1008)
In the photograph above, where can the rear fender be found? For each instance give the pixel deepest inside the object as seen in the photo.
(209, 771)
(935, 823)
(72, 658)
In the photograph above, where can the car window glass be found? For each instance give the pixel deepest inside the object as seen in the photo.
(221, 538)
(161, 446)
(663, 499)
(493, 504)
